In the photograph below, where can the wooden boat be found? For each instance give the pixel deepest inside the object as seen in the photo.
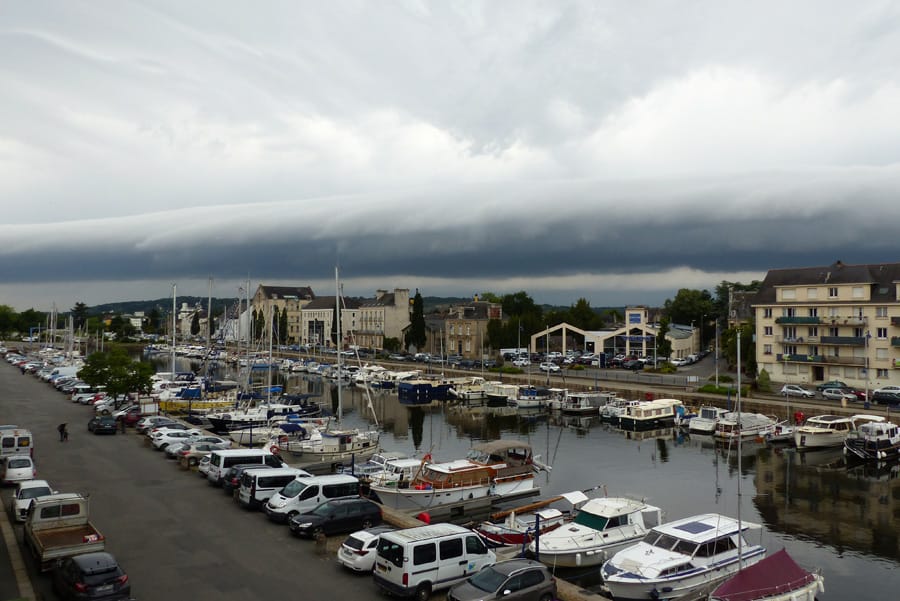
(520, 525)
(492, 469)
(775, 578)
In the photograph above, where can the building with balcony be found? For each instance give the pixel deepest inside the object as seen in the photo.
(385, 316)
(291, 299)
(466, 328)
(838, 322)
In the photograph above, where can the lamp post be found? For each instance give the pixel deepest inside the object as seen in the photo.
(693, 337)
(717, 353)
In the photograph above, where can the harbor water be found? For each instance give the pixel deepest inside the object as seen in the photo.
(843, 520)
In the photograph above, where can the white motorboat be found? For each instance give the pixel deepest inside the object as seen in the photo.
(828, 430)
(532, 397)
(706, 420)
(681, 558)
(874, 441)
(581, 403)
(775, 578)
(735, 424)
(648, 415)
(601, 527)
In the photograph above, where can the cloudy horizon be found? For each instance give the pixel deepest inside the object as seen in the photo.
(573, 150)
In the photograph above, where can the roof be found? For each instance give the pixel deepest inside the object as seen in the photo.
(328, 302)
(703, 527)
(881, 276)
(425, 532)
(613, 506)
(776, 574)
(498, 446)
(302, 292)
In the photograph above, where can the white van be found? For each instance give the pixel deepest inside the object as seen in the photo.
(417, 561)
(16, 441)
(305, 494)
(219, 461)
(257, 485)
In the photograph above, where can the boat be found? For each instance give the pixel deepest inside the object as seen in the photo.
(613, 411)
(706, 419)
(423, 390)
(469, 389)
(492, 469)
(601, 527)
(740, 424)
(581, 403)
(827, 430)
(649, 415)
(522, 524)
(775, 578)
(532, 397)
(874, 441)
(783, 433)
(498, 394)
(681, 558)
(257, 414)
(325, 448)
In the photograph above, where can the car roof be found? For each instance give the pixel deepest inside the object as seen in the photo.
(370, 533)
(511, 566)
(32, 484)
(93, 563)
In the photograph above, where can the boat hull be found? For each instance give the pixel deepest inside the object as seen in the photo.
(411, 499)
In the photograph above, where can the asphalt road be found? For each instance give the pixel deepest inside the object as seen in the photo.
(177, 537)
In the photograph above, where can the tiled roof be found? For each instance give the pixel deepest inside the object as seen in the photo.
(287, 291)
(881, 276)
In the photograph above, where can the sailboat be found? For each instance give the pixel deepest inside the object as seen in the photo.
(326, 449)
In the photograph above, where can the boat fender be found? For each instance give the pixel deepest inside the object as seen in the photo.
(274, 449)
(578, 559)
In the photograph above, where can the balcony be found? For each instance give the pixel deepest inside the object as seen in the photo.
(844, 340)
(790, 339)
(799, 320)
(844, 321)
(832, 360)
(895, 321)
(895, 340)
(800, 358)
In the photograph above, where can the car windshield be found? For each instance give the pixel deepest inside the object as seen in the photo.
(293, 488)
(31, 493)
(488, 580)
(16, 463)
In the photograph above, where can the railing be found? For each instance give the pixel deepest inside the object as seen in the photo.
(843, 321)
(844, 340)
(799, 320)
(895, 340)
(831, 359)
(828, 359)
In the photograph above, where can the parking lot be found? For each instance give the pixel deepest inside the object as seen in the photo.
(176, 536)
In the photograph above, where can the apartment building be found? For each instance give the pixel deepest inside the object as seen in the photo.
(837, 322)
(385, 316)
(285, 298)
(466, 328)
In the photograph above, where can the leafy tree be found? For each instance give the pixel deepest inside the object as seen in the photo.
(613, 316)
(723, 291)
(690, 306)
(415, 336)
(520, 303)
(748, 347)
(259, 324)
(79, 315)
(283, 327)
(30, 319)
(392, 344)
(115, 370)
(195, 323)
(663, 344)
(153, 321)
(489, 297)
(122, 328)
(8, 319)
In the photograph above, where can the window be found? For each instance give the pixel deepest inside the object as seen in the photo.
(475, 545)
(812, 293)
(790, 349)
(858, 332)
(813, 311)
(858, 292)
(881, 311)
(788, 294)
(532, 578)
(767, 349)
(881, 373)
(451, 548)
(834, 312)
(881, 353)
(423, 554)
(390, 551)
(813, 350)
(881, 333)
(767, 312)
(833, 331)
(790, 333)
(767, 331)
(832, 292)
(788, 312)
(812, 331)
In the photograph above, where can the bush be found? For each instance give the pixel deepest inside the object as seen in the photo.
(576, 367)
(723, 390)
(763, 382)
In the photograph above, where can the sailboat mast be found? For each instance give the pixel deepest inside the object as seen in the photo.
(337, 315)
(740, 436)
(174, 317)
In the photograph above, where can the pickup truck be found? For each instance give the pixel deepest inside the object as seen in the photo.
(57, 527)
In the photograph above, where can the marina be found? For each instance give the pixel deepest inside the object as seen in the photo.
(829, 514)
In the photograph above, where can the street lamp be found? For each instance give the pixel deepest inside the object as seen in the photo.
(693, 337)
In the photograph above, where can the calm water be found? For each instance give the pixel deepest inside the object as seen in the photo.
(843, 520)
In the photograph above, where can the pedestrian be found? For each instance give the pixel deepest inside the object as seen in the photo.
(122, 422)
(63, 432)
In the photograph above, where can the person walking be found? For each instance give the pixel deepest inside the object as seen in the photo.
(63, 432)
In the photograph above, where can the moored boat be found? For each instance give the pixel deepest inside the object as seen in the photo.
(734, 425)
(681, 558)
(775, 578)
(520, 525)
(648, 415)
(601, 527)
(492, 469)
(827, 430)
(874, 441)
(706, 419)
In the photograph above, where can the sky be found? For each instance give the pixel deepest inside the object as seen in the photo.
(603, 150)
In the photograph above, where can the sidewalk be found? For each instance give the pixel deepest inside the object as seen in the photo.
(14, 582)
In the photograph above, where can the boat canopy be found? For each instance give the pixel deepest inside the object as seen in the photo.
(776, 574)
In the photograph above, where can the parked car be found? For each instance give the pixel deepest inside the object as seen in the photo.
(336, 516)
(94, 576)
(103, 424)
(192, 452)
(151, 421)
(162, 439)
(521, 362)
(886, 398)
(678, 361)
(633, 364)
(519, 579)
(838, 394)
(16, 468)
(549, 366)
(26, 490)
(203, 466)
(889, 388)
(795, 390)
(359, 549)
(831, 384)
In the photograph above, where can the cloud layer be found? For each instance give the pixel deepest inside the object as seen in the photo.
(574, 149)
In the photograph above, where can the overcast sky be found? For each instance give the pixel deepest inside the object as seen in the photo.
(606, 150)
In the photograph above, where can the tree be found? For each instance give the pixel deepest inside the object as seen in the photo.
(8, 319)
(79, 315)
(154, 318)
(416, 336)
(195, 323)
(116, 371)
(392, 344)
(663, 344)
(283, 327)
(690, 306)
